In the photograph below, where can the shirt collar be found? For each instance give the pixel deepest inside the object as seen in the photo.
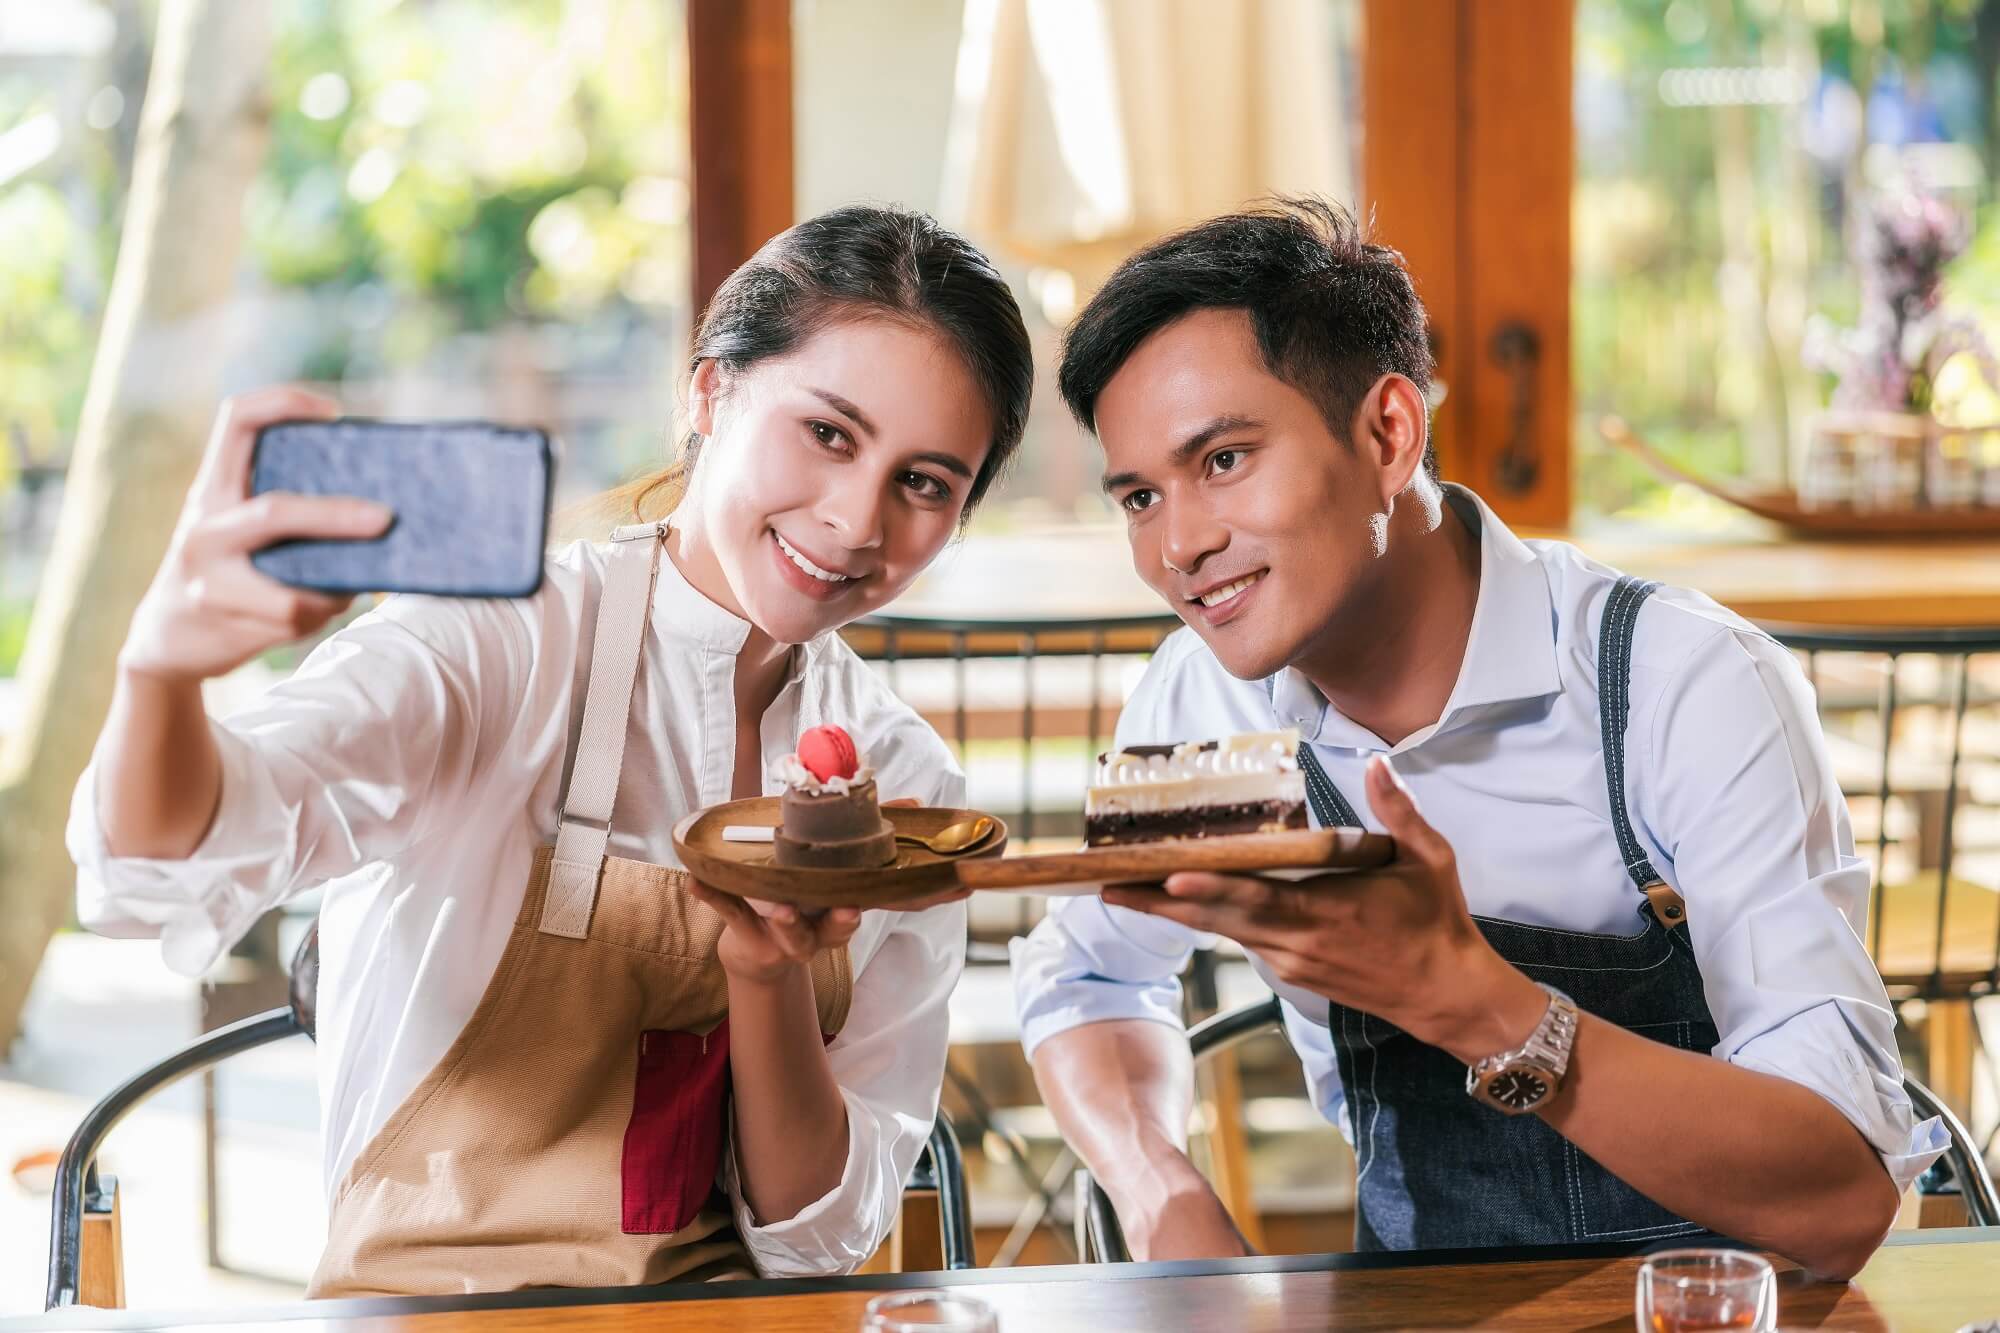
(682, 611)
(1510, 654)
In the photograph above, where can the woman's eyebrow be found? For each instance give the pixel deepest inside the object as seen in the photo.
(947, 462)
(845, 408)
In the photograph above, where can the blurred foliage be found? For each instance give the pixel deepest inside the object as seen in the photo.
(452, 166)
(441, 169)
(435, 169)
(1652, 333)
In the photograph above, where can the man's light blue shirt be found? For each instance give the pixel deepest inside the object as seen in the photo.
(1731, 795)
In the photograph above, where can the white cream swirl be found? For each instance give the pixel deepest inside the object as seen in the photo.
(1257, 752)
(1254, 768)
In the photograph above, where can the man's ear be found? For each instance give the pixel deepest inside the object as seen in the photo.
(1391, 429)
(703, 388)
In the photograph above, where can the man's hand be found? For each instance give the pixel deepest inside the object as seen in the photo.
(1397, 942)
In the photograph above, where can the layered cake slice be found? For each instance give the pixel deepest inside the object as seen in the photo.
(1248, 783)
(828, 815)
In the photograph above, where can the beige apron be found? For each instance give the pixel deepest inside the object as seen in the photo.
(571, 1135)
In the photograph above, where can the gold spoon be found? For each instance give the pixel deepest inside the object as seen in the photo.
(952, 839)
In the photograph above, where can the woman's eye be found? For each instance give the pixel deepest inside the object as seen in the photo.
(1136, 501)
(830, 436)
(927, 486)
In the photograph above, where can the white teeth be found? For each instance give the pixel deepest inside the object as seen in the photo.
(1221, 595)
(792, 554)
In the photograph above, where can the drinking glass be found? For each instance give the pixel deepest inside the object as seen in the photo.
(928, 1312)
(1682, 1291)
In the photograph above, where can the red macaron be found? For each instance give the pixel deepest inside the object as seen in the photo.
(828, 752)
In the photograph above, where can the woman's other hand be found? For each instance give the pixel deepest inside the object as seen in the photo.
(764, 942)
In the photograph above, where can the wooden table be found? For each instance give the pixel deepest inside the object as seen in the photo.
(1921, 1281)
(1084, 572)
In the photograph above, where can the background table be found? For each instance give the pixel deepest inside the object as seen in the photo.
(1921, 1281)
(1083, 572)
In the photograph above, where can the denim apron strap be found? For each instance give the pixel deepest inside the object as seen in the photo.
(1614, 706)
(1329, 808)
(1437, 1170)
(1614, 678)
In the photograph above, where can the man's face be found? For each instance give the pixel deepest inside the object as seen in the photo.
(1244, 510)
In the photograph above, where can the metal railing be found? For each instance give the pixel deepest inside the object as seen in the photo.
(1895, 705)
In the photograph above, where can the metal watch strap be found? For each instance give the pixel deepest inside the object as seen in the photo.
(1547, 1047)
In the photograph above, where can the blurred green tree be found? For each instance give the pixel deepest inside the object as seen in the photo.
(153, 388)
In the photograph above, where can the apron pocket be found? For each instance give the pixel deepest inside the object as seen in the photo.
(673, 1144)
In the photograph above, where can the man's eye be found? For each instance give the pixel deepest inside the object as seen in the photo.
(1225, 459)
(1137, 500)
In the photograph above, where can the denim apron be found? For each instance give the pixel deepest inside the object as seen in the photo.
(1436, 1169)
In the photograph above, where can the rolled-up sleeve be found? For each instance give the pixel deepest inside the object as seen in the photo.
(889, 1063)
(1743, 799)
(338, 765)
(1089, 963)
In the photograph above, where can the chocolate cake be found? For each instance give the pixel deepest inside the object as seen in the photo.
(829, 817)
(1248, 783)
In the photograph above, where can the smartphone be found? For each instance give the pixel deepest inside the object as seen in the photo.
(471, 500)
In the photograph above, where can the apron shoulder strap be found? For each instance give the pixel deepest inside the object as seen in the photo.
(1329, 808)
(623, 609)
(1614, 707)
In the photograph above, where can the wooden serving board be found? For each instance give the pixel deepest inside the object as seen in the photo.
(747, 870)
(1089, 869)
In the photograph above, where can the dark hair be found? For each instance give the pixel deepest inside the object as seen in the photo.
(1333, 312)
(871, 262)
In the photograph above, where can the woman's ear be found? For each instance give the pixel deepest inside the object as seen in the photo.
(703, 387)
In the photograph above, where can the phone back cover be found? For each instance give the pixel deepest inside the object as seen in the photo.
(471, 502)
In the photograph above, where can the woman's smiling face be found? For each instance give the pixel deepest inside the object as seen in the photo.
(830, 476)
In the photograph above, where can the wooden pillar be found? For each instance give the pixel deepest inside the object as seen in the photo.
(740, 126)
(1220, 1086)
(1951, 1043)
(1467, 164)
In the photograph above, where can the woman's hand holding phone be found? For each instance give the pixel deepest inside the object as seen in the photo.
(208, 609)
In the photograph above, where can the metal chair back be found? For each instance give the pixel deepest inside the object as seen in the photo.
(1100, 1239)
(80, 1191)
(1912, 720)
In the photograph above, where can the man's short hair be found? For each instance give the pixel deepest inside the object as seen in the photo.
(1333, 312)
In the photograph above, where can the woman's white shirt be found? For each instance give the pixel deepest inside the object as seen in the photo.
(414, 763)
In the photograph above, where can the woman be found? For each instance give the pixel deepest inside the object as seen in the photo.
(529, 1023)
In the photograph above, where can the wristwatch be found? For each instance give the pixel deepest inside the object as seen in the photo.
(1518, 1081)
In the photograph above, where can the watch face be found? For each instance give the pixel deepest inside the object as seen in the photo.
(1517, 1089)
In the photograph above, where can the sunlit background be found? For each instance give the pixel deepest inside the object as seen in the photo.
(478, 208)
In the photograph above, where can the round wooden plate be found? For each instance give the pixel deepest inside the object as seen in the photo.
(747, 870)
(1089, 869)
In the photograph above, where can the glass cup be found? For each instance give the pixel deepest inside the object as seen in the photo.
(1681, 1291)
(928, 1312)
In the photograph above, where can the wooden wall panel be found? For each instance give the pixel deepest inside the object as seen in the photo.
(740, 124)
(1410, 123)
(1467, 164)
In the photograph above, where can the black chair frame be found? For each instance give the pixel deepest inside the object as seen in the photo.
(80, 1191)
(1101, 1240)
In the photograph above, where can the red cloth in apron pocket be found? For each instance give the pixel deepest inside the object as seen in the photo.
(673, 1143)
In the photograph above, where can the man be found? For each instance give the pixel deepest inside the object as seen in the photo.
(1675, 1027)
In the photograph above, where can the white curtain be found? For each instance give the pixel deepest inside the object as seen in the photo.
(1082, 129)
